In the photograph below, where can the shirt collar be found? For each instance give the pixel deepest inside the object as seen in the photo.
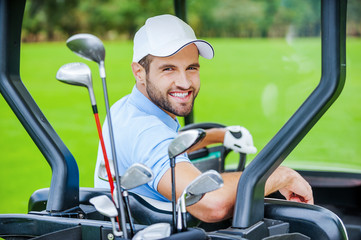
(147, 106)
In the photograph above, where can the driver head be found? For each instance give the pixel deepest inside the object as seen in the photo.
(87, 46)
(75, 74)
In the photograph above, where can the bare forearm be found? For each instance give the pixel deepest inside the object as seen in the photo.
(213, 136)
(290, 184)
(218, 205)
(284, 179)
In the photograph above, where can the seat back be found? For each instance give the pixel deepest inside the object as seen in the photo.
(144, 210)
(311, 220)
(209, 158)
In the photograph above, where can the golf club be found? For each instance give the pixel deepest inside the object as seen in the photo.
(106, 207)
(135, 176)
(79, 74)
(91, 48)
(154, 231)
(206, 182)
(184, 141)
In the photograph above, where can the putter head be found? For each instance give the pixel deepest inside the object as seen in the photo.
(206, 182)
(104, 205)
(135, 176)
(77, 73)
(87, 46)
(184, 141)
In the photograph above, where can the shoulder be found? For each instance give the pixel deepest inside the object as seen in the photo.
(153, 130)
(140, 131)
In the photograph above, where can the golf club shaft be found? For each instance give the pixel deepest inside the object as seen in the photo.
(184, 221)
(182, 214)
(107, 166)
(114, 155)
(127, 206)
(172, 165)
(179, 218)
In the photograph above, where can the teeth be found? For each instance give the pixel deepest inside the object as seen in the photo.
(180, 95)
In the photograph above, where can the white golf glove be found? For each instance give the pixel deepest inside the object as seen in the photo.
(239, 139)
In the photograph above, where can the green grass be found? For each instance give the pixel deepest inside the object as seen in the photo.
(255, 83)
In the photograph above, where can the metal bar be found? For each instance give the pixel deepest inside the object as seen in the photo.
(180, 9)
(64, 189)
(249, 208)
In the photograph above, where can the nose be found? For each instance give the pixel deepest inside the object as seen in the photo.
(183, 81)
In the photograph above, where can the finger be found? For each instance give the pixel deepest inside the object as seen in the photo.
(301, 187)
(286, 193)
(305, 191)
(297, 199)
(291, 196)
(248, 149)
(288, 181)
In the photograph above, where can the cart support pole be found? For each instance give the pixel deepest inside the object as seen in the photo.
(64, 188)
(249, 208)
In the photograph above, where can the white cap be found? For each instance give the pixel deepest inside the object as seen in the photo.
(165, 35)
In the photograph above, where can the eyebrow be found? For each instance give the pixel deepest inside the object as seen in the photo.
(194, 65)
(166, 66)
(173, 66)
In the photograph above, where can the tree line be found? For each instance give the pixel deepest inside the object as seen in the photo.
(46, 20)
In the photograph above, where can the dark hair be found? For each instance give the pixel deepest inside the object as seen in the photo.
(145, 62)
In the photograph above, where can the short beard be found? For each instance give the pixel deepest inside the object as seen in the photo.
(163, 102)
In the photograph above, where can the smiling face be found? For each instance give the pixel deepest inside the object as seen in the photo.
(172, 83)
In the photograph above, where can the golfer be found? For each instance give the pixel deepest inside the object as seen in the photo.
(166, 70)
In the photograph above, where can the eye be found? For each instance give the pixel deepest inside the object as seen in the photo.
(167, 69)
(192, 68)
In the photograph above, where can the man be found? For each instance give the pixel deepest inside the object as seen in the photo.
(166, 68)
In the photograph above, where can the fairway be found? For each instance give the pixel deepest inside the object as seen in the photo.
(256, 83)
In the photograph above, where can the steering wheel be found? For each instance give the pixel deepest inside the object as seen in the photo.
(209, 125)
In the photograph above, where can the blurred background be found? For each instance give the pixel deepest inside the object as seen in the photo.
(267, 61)
(120, 19)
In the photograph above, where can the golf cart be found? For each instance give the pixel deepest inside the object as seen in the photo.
(64, 210)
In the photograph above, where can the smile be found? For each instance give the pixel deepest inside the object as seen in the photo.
(180, 94)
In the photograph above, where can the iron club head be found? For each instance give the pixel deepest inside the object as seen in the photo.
(184, 141)
(154, 231)
(104, 205)
(208, 181)
(204, 183)
(135, 176)
(107, 208)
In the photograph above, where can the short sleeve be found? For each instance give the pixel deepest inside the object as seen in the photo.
(152, 150)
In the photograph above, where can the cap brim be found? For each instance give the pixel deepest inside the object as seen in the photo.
(205, 49)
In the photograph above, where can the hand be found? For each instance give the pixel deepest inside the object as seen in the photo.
(290, 184)
(239, 139)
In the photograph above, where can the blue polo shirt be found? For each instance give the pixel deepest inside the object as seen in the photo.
(142, 134)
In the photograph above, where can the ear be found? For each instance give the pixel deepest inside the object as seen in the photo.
(138, 72)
